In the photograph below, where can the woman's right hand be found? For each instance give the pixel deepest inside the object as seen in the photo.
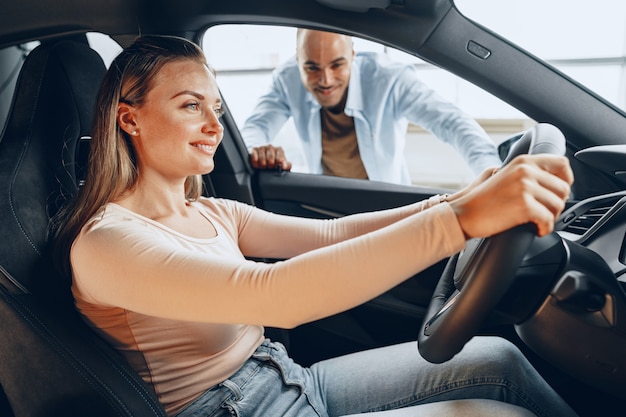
(530, 189)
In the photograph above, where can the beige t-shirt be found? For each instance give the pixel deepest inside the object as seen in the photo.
(187, 312)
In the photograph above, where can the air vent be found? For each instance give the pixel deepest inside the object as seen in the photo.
(585, 221)
(590, 216)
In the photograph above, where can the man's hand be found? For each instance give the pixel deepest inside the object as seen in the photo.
(269, 157)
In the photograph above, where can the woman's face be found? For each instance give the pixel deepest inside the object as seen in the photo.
(176, 131)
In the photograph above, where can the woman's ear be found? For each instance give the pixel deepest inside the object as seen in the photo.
(126, 119)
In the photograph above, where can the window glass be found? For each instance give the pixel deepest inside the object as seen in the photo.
(583, 39)
(106, 47)
(244, 57)
(11, 60)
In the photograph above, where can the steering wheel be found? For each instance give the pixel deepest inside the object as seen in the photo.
(475, 280)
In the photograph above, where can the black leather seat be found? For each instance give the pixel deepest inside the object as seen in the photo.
(51, 363)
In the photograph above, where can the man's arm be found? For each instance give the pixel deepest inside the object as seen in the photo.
(269, 115)
(425, 107)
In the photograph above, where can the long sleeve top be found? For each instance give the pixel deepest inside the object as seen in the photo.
(383, 97)
(187, 312)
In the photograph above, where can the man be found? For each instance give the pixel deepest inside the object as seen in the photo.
(352, 111)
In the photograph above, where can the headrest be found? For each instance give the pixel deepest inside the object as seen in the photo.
(52, 109)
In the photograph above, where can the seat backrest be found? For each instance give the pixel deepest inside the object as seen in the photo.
(51, 363)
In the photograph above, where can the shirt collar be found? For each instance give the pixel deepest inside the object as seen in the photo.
(355, 92)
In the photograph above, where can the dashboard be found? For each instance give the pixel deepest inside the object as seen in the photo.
(580, 325)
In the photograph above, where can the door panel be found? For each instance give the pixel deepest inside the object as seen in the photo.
(326, 196)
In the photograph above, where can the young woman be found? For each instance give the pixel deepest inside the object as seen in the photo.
(161, 272)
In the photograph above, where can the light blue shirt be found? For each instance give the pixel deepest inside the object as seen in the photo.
(383, 97)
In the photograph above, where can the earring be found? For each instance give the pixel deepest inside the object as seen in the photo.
(134, 133)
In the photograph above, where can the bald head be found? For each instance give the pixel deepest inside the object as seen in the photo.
(324, 61)
(305, 38)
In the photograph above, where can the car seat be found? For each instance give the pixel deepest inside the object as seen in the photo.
(51, 363)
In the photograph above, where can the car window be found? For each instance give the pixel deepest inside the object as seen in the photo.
(244, 57)
(105, 46)
(586, 39)
(11, 60)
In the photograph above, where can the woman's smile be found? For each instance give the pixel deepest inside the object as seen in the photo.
(205, 148)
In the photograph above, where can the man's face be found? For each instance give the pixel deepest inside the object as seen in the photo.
(324, 60)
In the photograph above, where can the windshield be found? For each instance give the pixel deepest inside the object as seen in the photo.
(584, 39)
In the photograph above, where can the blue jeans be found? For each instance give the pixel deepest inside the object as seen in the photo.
(270, 384)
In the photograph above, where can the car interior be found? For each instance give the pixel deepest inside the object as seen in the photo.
(52, 112)
(564, 304)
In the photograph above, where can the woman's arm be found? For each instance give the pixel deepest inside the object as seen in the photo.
(267, 235)
(123, 265)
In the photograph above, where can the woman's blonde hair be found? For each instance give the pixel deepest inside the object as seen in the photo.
(112, 168)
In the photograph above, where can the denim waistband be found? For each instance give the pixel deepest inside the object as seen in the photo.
(268, 355)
